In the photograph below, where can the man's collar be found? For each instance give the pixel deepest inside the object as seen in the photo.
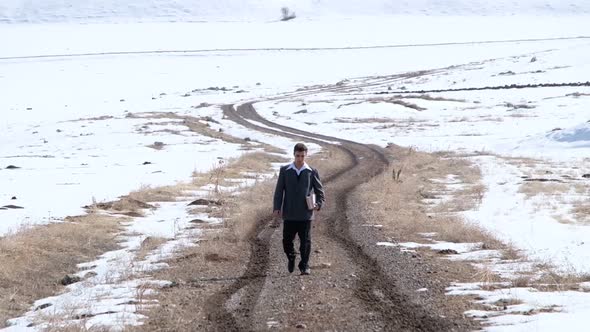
(305, 166)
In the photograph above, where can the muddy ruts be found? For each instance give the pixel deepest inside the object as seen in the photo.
(374, 287)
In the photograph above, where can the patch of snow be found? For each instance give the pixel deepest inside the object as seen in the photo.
(386, 244)
(540, 311)
(578, 134)
(428, 235)
(112, 285)
(477, 255)
(528, 224)
(441, 245)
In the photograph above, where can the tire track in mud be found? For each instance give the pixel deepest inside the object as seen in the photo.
(252, 281)
(373, 287)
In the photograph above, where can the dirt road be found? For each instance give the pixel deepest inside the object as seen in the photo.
(354, 285)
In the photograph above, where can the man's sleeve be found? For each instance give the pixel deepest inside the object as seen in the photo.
(318, 188)
(279, 191)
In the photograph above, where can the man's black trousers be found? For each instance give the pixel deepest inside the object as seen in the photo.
(303, 229)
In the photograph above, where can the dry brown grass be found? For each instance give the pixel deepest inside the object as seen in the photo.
(159, 194)
(246, 211)
(256, 162)
(521, 115)
(98, 118)
(397, 100)
(456, 230)
(126, 206)
(398, 202)
(201, 125)
(524, 280)
(522, 162)
(406, 104)
(581, 189)
(34, 260)
(477, 119)
(504, 303)
(581, 210)
(551, 280)
(431, 98)
(204, 129)
(158, 145)
(534, 188)
(80, 327)
(461, 119)
(240, 212)
(364, 120)
(487, 278)
(196, 278)
(563, 219)
(248, 166)
(511, 253)
(148, 245)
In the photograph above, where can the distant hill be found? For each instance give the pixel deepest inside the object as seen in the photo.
(34, 11)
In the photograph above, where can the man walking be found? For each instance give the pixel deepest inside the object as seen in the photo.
(296, 185)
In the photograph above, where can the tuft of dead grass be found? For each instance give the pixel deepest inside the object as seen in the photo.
(255, 162)
(364, 120)
(247, 166)
(245, 212)
(534, 188)
(488, 279)
(34, 260)
(523, 281)
(148, 245)
(581, 210)
(456, 230)
(157, 194)
(505, 302)
(430, 98)
(552, 280)
(521, 115)
(159, 145)
(400, 102)
(126, 206)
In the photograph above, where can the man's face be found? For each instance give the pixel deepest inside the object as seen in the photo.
(300, 157)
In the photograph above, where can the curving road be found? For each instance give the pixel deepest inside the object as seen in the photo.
(354, 286)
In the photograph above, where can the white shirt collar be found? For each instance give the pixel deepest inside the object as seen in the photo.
(305, 166)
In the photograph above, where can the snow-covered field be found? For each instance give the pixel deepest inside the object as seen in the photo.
(82, 103)
(251, 10)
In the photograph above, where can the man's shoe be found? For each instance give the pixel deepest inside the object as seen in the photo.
(306, 272)
(291, 265)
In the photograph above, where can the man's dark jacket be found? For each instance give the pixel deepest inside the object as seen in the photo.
(292, 189)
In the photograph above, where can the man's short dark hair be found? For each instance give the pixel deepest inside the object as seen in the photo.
(300, 147)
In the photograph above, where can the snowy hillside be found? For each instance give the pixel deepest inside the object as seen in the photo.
(18, 11)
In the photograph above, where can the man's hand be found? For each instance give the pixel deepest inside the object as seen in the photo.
(276, 214)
